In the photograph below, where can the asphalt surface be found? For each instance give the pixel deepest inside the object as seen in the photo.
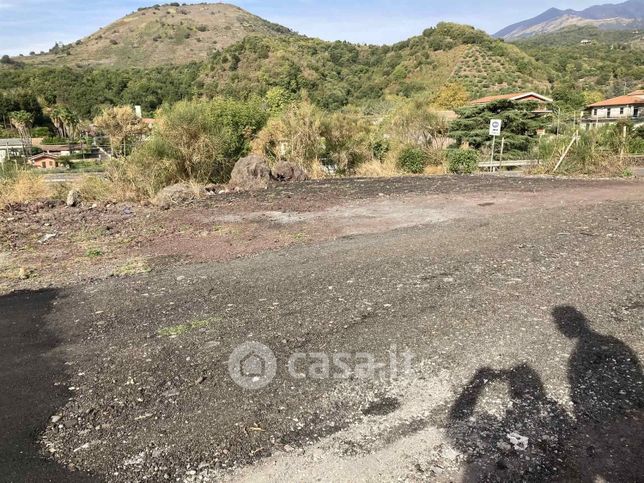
(525, 329)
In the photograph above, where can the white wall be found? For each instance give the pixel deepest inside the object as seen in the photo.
(615, 112)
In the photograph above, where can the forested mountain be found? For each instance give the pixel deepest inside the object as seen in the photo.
(611, 62)
(627, 15)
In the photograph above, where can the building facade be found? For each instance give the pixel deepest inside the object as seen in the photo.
(10, 148)
(623, 108)
(45, 161)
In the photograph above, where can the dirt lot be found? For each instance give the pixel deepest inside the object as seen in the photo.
(518, 301)
(51, 245)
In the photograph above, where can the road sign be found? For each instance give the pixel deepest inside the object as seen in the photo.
(495, 127)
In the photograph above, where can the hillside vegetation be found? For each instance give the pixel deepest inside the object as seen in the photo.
(332, 74)
(612, 63)
(335, 74)
(166, 34)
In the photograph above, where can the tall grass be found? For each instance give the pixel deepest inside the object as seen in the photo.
(596, 152)
(23, 187)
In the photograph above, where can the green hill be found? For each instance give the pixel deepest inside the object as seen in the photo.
(163, 34)
(338, 73)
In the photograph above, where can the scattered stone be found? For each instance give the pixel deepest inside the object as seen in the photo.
(285, 171)
(519, 443)
(212, 188)
(23, 273)
(56, 418)
(201, 380)
(73, 198)
(171, 393)
(175, 194)
(47, 237)
(250, 173)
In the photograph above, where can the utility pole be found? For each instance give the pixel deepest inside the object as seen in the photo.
(492, 154)
(501, 155)
(495, 130)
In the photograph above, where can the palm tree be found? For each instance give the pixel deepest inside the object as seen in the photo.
(70, 123)
(56, 114)
(22, 121)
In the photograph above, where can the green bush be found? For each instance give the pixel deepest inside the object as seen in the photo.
(412, 160)
(56, 140)
(40, 132)
(462, 161)
(194, 141)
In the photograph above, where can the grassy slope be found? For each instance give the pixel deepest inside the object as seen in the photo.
(163, 35)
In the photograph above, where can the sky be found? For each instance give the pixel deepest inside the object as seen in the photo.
(35, 25)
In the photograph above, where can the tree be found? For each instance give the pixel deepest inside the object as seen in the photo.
(277, 98)
(55, 114)
(22, 121)
(451, 96)
(347, 137)
(591, 97)
(296, 136)
(70, 123)
(417, 124)
(569, 97)
(520, 125)
(65, 121)
(122, 126)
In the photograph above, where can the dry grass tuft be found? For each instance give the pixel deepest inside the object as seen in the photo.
(23, 188)
(134, 266)
(434, 170)
(316, 171)
(378, 169)
(93, 188)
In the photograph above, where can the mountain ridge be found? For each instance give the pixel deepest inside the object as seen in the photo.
(629, 14)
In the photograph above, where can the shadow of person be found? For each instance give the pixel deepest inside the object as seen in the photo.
(607, 392)
(525, 440)
(29, 395)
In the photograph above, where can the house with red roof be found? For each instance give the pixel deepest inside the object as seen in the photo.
(542, 101)
(518, 97)
(629, 107)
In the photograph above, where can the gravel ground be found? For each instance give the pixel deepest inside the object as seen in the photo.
(518, 301)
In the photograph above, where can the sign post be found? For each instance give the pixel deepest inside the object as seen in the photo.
(495, 130)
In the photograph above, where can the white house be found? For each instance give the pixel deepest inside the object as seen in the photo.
(10, 147)
(628, 107)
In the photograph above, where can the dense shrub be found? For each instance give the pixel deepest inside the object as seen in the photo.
(412, 160)
(40, 132)
(295, 135)
(462, 161)
(55, 140)
(193, 141)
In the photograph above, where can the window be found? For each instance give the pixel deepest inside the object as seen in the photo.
(594, 112)
(621, 111)
(636, 112)
(608, 111)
